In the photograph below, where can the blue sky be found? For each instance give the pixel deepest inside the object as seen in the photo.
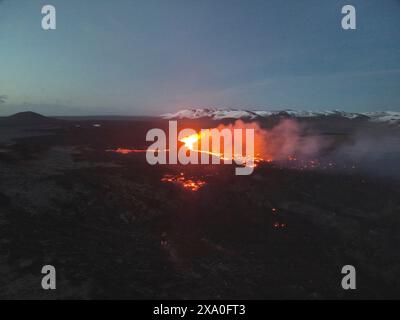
(156, 56)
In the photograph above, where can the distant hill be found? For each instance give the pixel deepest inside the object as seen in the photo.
(28, 118)
(390, 117)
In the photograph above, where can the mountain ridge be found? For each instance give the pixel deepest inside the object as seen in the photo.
(390, 117)
(28, 118)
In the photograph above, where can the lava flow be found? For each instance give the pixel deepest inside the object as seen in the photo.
(189, 184)
(283, 146)
(128, 151)
(192, 141)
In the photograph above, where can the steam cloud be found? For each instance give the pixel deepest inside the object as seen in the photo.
(375, 153)
(288, 138)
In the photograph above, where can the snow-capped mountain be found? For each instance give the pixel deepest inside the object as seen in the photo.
(391, 117)
(216, 114)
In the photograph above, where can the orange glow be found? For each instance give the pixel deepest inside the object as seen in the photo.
(193, 139)
(286, 145)
(128, 151)
(278, 225)
(189, 184)
(189, 141)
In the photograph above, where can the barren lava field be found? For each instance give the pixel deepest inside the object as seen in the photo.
(116, 227)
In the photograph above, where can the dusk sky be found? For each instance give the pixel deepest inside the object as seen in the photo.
(150, 57)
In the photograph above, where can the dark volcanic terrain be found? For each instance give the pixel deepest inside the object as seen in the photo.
(114, 229)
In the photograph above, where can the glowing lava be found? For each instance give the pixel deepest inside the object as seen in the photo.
(192, 140)
(189, 184)
(189, 141)
(127, 151)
